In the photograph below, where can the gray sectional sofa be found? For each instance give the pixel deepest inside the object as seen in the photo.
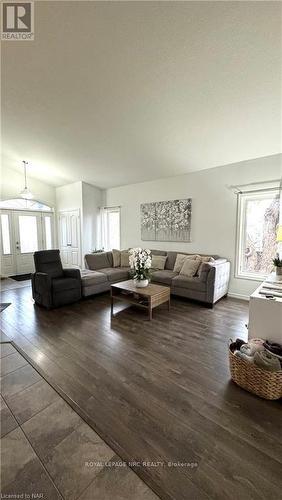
(208, 286)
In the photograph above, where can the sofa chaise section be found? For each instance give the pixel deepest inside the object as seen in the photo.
(102, 263)
(93, 282)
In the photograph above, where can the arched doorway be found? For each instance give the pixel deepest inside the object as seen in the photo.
(26, 226)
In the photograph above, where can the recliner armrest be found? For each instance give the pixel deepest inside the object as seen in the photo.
(72, 273)
(42, 280)
(42, 289)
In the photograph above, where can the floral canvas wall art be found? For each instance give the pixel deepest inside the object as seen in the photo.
(148, 221)
(166, 220)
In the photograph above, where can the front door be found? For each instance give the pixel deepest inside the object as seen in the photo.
(22, 234)
(28, 239)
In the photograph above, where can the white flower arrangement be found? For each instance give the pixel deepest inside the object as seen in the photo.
(140, 262)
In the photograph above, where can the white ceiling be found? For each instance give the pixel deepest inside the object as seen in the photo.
(114, 93)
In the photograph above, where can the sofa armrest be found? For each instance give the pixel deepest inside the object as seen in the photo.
(218, 280)
(72, 273)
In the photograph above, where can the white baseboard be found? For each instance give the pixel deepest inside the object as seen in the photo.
(239, 296)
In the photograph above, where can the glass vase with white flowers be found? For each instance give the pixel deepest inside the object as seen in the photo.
(140, 262)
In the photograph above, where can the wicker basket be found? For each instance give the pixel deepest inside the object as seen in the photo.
(267, 385)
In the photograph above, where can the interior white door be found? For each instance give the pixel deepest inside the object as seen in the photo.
(69, 238)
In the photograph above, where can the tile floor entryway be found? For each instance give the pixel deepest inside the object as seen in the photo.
(47, 450)
(10, 284)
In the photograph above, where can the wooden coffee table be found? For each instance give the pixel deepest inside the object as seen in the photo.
(148, 298)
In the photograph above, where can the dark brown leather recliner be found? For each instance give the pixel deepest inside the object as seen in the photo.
(53, 286)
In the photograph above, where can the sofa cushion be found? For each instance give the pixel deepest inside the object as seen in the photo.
(205, 267)
(190, 267)
(203, 271)
(158, 252)
(89, 278)
(110, 258)
(170, 261)
(165, 276)
(116, 257)
(124, 258)
(96, 289)
(180, 258)
(171, 258)
(182, 281)
(115, 274)
(158, 261)
(60, 284)
(98, 260)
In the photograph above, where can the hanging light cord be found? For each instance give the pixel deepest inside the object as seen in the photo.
(25, 182)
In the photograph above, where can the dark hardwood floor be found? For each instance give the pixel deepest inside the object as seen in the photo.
(159, 391)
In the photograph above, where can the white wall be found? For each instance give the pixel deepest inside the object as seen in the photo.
(12, 183)
(92, 199)
(213, 208)
(69, 197)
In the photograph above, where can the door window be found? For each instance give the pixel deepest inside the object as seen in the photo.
(5, 228)
(28, 233)
(48, 233)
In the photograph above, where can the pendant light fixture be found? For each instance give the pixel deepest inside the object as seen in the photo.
(26, 193)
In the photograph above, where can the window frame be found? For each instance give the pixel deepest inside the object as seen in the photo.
(44, 230)
(242, 198)
(10, 234)
(30, 205)
(116, 210)
(104, 227)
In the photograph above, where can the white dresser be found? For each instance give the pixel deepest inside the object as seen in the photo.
(265, 315)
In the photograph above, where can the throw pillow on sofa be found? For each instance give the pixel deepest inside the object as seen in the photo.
(180, 258)
(158, 262)
(206, 258)
(190, 267)
(116, 257)
(124, 258)
(203, 271)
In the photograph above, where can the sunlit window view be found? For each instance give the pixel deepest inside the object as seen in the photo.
(6, 246)
(48, 233)
(259, 216)
(110, 228)
(28, 233)
(113, 229)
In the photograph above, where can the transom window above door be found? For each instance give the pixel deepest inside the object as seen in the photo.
(22, 204)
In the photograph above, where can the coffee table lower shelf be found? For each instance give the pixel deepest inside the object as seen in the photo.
(146, 298)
